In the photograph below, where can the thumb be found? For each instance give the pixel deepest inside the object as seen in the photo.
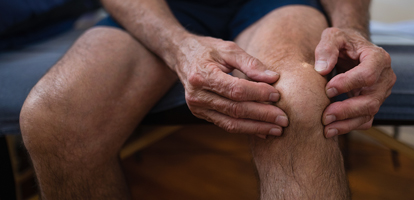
(327, 51)
(251, 66)
(257, 71)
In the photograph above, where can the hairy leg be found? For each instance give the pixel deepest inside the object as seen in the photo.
(301, 164)
(78, 116)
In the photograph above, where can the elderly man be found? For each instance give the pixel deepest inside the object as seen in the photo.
(80, 113)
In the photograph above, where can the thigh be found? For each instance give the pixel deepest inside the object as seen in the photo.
(99, 91)
(21, 69)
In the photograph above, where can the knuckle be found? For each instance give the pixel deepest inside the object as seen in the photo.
(369, 79)
(253, 63)
(386, 56)
(212, 68)
(230, 126)
(196, 80)
(331, 31)
(373, 107)
(192, 100)
(236, 92)
(236, 110)
(210, 73)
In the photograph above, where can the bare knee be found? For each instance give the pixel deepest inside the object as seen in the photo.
(301, 164)
(50, 126)
(303, 96)
(71, 104)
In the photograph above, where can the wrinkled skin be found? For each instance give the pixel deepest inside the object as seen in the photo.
(365, 75)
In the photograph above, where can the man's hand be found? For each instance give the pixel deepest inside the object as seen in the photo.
(202, 64)
(237, 105)
(365, 75)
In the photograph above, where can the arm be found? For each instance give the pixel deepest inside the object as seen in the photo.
(350, 14)
(365, 72)
(202, 64)
(151, 23)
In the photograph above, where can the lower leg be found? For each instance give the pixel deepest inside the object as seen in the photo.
(301, 164)
(78, 116)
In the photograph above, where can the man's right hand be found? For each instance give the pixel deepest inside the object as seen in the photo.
(202, 64)
(236, 105)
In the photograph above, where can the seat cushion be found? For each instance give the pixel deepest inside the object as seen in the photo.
(19, 72)
(400, 104)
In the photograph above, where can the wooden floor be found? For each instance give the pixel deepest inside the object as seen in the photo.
(204, 162)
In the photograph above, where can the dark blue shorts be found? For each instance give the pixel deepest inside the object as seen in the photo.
(223, 19)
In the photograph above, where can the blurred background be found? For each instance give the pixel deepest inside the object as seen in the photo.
(205, 162)
(392, 10)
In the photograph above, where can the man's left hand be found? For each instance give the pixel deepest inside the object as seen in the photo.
(365, 74)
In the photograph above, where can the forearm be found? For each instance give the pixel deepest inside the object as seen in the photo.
(349, 14)
(152, 23)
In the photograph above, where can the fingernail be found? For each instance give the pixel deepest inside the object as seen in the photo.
(321, 65)
(271, 73)
(261, 136)
(282, 120)
(329, 119)
(331, 133)
(331, 92)
(274, 97)
(275, 132)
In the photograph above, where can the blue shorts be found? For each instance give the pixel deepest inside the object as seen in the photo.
(223, 19)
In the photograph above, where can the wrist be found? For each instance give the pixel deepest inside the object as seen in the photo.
(350, 14)
(174, 48)
(364, 32)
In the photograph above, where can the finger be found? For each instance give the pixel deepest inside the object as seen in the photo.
(345, 126)
(327, 51)
(366, 126)
(235, 57)
(351, 108)
(334, 42)
(246, 126)
(365, 74)
(239, 89)
(243, 110)
(250, 110)
(261, 136)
